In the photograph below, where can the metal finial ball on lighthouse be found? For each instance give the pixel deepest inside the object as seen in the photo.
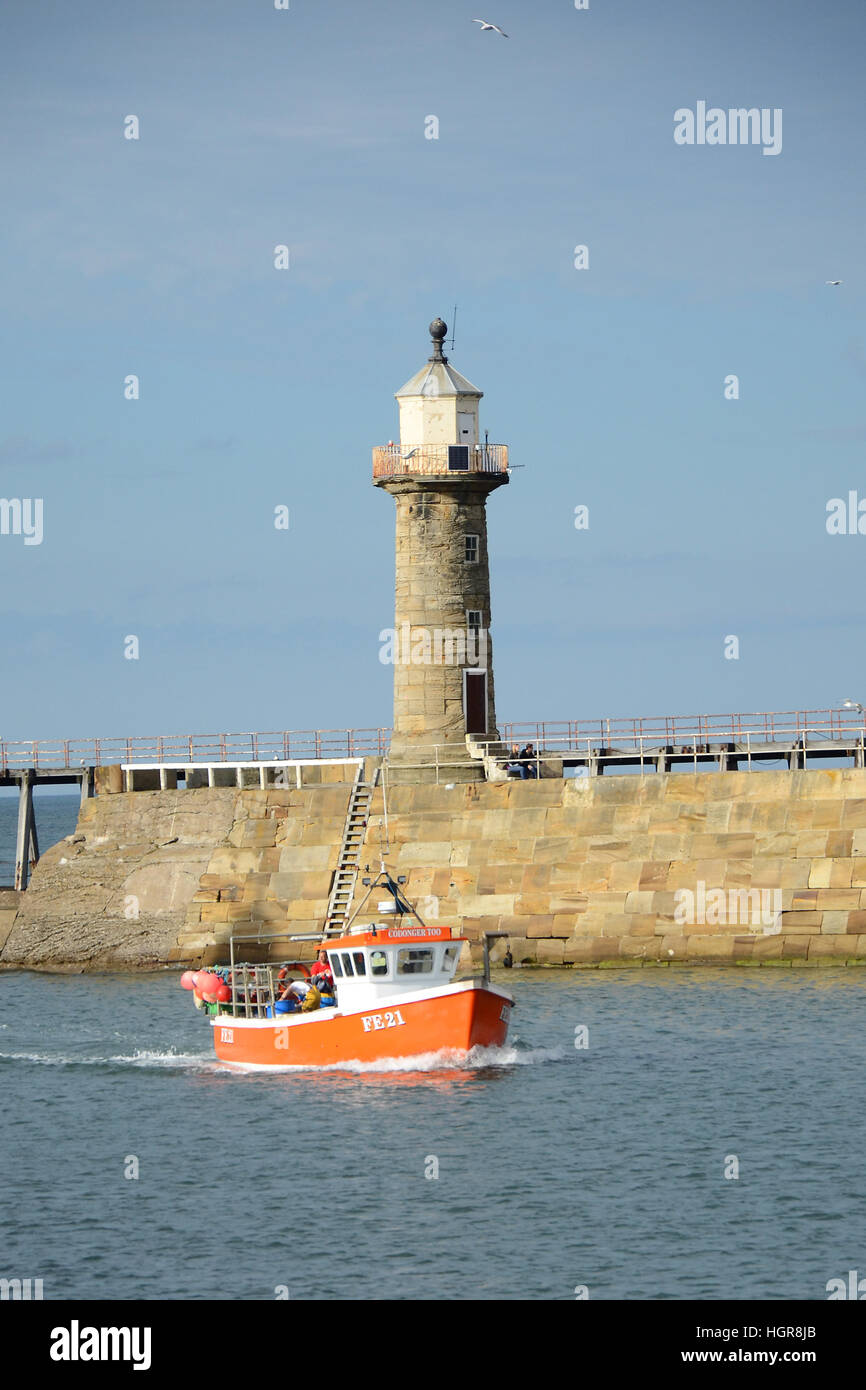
(440, 476)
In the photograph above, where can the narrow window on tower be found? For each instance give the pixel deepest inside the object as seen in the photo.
(470, 554)
(473, 619)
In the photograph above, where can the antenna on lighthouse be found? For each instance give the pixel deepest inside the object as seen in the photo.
(453, 328)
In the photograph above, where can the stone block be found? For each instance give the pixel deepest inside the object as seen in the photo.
(841, 874)
(837, 946)
(488, 905)
(675, 846)
(564, 924)
(269, 912)
(434, 852)
(819, 874)
(644, 924)
(516, 852)
(316, 884)
(711, 947)
(550, 952)
(642, 901)
(295, 858)
(662, 904)
(726, 846)
(551, 849)
(811, 844)
(654, 874)
(631, 817)
(531, 904)
(543, 926)
(767, 947)
(229, 862)
(802, 922)
(795, 874)
(840, 844)
(503, 878)
(837, 899)
(572, 903)
(214, 912)
(795, 947)
(615, 924)
(767, 873)
(533, 877)
(641, 948)
(626, 874)
(834, 924)
(583, 878)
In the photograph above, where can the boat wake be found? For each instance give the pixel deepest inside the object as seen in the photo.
(199, 1061)
(445, 1060)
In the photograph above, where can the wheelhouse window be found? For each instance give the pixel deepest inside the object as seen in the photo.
(378, 963)
(414, 960)
(449, 956)
(334, 958)
(360, 963)
(347, 964)
(470, 553)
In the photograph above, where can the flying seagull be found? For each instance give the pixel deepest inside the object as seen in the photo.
(832, 282)
(484, 25)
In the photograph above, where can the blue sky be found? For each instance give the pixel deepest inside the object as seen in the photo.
(260, 387)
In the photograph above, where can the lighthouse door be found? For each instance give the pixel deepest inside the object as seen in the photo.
(465, 428)
(475, 701)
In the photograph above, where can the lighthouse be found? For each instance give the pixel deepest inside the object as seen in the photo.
(440, 475)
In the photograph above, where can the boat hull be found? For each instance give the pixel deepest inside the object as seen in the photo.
(459, 1018)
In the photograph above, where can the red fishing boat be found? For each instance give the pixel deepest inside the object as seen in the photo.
(392, 992)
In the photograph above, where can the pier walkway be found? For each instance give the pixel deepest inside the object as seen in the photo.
(796, 739)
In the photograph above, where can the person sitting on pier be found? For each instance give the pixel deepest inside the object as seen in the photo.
(512, 767)
(528, 765)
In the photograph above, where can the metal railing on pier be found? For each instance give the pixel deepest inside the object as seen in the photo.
(570, 739)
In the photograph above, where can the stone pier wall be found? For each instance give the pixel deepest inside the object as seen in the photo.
(577, 872)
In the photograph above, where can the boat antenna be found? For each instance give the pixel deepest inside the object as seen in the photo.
(385, 879)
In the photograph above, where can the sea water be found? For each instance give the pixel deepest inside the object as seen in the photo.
(663, 1133)
(56, 816)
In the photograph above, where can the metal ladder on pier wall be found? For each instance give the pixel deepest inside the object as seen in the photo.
(349, 861)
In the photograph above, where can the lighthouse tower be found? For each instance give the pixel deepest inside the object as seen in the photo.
(440, 476)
